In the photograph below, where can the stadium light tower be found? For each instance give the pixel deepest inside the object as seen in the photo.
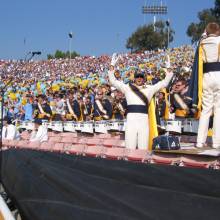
(155, 10)
(168, 32)
(70, 42)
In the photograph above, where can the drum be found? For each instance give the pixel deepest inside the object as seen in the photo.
(69, 126)
(174, 126)
(23, 125)
(57, 126)
(45, 123)
(122, 125)
(87, 127)
(190, 126)
(49, 125)
(29, 125)
(77, 126)
(101, 127)
(114, 125)
(162, 124)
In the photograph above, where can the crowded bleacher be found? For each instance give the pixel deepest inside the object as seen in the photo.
(74, 95)
(54, 84)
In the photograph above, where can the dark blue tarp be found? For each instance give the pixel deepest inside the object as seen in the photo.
(52, 186)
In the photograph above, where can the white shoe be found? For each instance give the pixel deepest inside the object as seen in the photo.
(200, 145)
(217, 147)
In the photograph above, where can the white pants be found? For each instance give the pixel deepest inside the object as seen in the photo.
(210, 104)
(137, 131)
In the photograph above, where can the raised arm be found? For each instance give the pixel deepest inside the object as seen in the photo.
(119, 85)
(163, 83)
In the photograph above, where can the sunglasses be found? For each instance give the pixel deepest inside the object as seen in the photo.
(139, 76)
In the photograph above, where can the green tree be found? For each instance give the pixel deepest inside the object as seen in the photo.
(149, 38)
(195, 30)
(49, 56)
(73, 54)
(60, 54)
(216, 10)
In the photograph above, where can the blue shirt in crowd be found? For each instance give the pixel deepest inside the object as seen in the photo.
(28, 108)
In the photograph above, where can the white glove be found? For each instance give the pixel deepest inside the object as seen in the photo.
(167, 62)
(115, 58)
(204, 35)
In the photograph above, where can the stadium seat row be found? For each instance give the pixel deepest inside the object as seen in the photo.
(113, 153)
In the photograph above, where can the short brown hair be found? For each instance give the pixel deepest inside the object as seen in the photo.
(212, 28)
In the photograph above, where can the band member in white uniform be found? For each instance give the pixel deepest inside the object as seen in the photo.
(211, 86)
(40, 132)
(137, 128)
(9, 131)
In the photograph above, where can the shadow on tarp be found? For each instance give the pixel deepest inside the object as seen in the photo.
(53, 186)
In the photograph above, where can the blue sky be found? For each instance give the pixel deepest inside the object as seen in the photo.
(99, 26)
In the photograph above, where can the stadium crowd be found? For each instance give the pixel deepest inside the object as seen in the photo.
(79, 89)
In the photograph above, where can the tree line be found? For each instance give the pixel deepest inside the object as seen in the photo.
(60, 54)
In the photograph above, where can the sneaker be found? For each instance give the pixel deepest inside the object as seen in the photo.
(217, 147)
(200, 145)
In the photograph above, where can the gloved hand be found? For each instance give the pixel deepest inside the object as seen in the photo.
(167, 62)
(204, 35)
(115, 58)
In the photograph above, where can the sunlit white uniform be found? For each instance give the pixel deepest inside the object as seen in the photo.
(211, 93)
(137, 129)
(41, 134)
(4, 132)
(10, 132)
